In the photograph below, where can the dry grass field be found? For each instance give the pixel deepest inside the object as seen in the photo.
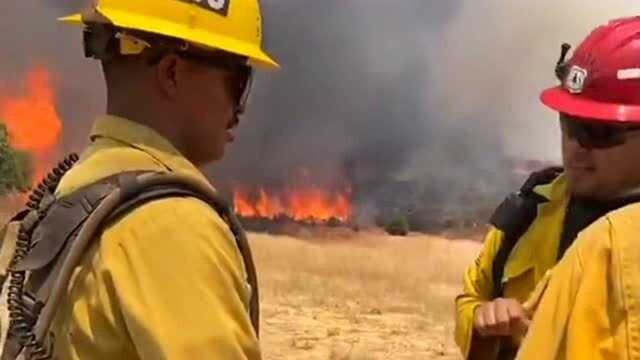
(340, 295)
(359, 296)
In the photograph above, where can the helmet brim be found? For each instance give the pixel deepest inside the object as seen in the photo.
(560, 100)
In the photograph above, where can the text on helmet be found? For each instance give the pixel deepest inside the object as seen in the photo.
(218, 6)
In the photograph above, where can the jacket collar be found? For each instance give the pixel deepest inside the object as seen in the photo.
(143, 138)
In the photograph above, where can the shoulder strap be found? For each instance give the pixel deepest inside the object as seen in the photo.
(72, 222)
(514, 217)
(182, 188)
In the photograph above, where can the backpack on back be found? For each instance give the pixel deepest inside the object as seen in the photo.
(43, 244)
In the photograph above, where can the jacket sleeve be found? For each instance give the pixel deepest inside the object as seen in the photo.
(181, 283)
(478, 288)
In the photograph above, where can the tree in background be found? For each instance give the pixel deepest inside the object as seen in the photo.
(15, 166)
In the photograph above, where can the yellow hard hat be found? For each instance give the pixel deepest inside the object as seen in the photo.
(234, 26)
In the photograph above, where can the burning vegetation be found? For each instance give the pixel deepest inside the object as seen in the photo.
(35, 127)
(343, 199)
(32, 120)
(300, 201)
(304, 204)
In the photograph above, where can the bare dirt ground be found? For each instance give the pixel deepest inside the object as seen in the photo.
(359, 296)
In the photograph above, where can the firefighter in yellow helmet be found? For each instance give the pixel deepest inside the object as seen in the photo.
(590, 309)
(167, 280)
(533, 229)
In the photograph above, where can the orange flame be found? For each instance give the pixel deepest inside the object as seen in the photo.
(31, 118)
(263, 207)
(315, 203)
(308, 203)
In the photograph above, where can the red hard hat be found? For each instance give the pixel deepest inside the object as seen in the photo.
(602, 79)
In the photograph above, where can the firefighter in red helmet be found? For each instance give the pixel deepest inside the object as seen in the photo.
(598, 103)
(591, 304)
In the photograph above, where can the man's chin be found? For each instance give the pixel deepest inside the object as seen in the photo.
(582, 189)
(591, 192)
(219, 155)
(207, 158)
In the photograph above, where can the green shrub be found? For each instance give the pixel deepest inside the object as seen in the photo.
(15, 166)
(398, 226)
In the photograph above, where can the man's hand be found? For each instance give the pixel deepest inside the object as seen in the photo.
(501, 317)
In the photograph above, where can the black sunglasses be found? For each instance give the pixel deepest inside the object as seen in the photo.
(591, 134)
(242, 74)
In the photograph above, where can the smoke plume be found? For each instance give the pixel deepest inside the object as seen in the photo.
(419, 101)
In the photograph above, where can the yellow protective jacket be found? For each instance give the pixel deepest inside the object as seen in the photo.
(534, 254)
(591, 307)
(166, 281)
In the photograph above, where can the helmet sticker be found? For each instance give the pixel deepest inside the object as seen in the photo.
(628, 74)
(218, 6)
(576, 80)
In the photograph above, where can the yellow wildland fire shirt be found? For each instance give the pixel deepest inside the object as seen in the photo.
(534, 254)
(166, 281)
(591, 306)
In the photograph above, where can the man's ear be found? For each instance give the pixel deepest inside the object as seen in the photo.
(167, 77)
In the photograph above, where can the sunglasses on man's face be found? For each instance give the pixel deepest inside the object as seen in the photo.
(240, 81)
(592, 134)
(240, 86)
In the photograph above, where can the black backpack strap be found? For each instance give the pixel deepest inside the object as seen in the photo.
(514, 217)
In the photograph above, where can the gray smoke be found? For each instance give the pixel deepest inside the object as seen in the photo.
(421, 103)
(416, 101)
(352, 92)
